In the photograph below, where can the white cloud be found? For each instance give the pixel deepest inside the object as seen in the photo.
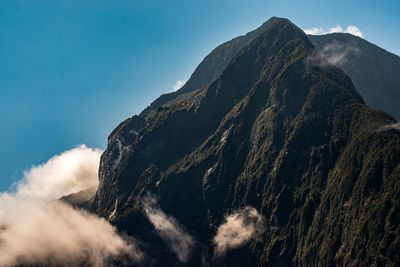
(34, 231)
(352, 29)
(338, 54)
(334, 53)
(38, 229)
(173, 234)
(69, 172)
(178, 85)
(335, 29)
(314, 31)
(237, 229)
(394, 126)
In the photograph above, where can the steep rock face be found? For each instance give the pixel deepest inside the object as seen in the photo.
(374, 71)
(276, 131)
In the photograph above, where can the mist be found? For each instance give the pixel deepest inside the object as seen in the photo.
(37, 228)
(334, 53)
(237, 229)
(168, 228)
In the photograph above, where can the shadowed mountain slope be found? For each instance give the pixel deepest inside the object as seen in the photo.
(279, 130)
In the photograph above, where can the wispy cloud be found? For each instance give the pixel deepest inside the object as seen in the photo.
(173, 234)
(36, 228)
(334, 53)
(178, 85)
(237, 229)
(352, 29)
(338, 54)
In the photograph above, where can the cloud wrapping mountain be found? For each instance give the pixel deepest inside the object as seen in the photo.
(338, 54)
(237, 229)
(173, 234)
(37, 228)
(334, 53)
(69, 172)
(39, 232)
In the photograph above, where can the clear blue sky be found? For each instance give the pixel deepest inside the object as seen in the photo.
(71, 70)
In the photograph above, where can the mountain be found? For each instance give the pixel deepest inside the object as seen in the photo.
(209, 69)
(374, 71)
(279, 150)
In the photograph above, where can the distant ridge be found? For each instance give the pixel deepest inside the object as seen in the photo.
(374, 71)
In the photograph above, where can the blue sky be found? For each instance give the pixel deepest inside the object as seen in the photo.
(71, 70)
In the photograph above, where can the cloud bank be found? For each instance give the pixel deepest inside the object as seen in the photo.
(173, 234)
(70, 172)
(352, 29)
(37, 228)
(237, 229)
(39, 232)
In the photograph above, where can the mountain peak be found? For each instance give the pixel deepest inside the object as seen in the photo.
(279, 24)
(215, 63)
(278, 21)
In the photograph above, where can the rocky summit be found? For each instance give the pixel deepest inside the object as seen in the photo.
(270, 159)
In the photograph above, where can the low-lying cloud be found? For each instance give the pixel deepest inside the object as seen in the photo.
(338, 54)
(334, 53)
(237, 229)
(69, 172)
(37, 228)
(39, 232)
(352, 29)
(170, 231)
